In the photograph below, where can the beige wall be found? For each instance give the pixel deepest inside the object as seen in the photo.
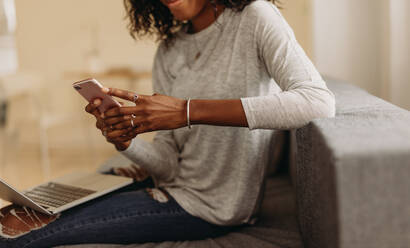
(347, 41)
(55, 36)
(398, 56)
(298, 13)
(365, 43)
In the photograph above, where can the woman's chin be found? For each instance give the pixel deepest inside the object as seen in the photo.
(181, 16)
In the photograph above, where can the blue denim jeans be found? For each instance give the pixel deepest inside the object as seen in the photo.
(128, 215)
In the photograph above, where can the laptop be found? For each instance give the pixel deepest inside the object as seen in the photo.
(65, 192)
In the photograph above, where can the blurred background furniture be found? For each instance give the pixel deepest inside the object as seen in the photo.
(15, 87)
(342, 184)
(28, 92)
(8, 64)
(8, 51)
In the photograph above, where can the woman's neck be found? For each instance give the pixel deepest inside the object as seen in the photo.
(205, 17)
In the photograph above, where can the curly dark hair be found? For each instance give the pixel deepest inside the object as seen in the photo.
(151, 17)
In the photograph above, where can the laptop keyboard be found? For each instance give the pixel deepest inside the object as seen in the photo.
(56, 195)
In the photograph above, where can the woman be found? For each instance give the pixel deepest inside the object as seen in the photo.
(227, 74)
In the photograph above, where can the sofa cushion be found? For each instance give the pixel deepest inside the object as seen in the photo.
(352, 173)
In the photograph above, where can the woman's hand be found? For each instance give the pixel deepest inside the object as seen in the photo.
(150, 113)
(92, 108)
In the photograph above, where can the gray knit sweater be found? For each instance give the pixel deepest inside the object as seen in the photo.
(213, 172)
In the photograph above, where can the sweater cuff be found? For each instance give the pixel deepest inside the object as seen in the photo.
(247, 107)
(137, 146)
(129, 149)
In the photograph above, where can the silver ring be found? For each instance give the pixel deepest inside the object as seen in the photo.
(135, 98)
(132, 122)
(105, 132)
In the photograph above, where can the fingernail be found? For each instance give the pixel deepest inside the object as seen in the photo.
(105, 90)
(97, 102)
(102, 115)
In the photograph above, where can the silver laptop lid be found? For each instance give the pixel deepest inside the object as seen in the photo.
(10, 194)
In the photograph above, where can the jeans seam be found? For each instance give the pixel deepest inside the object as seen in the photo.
(103, 220)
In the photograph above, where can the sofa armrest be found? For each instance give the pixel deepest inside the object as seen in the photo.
(352, 174)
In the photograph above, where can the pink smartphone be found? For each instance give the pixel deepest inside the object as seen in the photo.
(90, 89)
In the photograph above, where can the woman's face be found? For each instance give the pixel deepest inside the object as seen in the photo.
(184, 10)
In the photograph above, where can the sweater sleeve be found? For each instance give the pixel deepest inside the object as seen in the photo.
(304, 94)
(159, 158)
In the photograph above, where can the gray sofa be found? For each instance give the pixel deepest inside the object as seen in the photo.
(342, 182)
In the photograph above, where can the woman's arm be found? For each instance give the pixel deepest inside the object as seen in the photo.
(160, 112)
(304, 95)
(218, 112)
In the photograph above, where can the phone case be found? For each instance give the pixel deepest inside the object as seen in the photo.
(90, 89)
